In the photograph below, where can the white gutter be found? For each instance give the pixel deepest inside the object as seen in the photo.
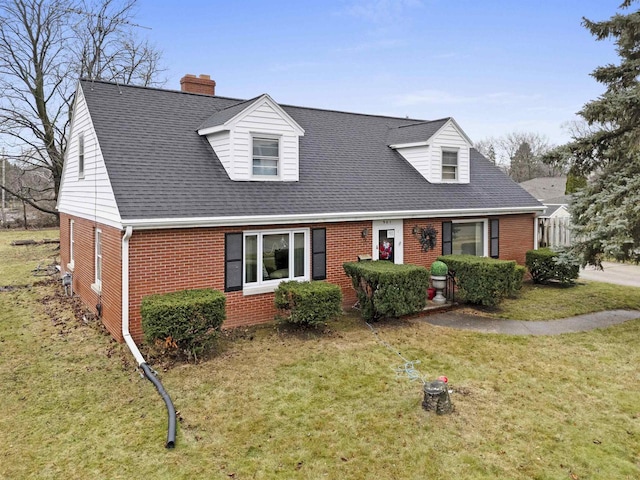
(125, 298)
(153, 223)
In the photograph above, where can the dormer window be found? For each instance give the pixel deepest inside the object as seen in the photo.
(266, 156)
(450, 165)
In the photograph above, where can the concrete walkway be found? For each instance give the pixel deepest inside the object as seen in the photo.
(618, 273)
(581, 323)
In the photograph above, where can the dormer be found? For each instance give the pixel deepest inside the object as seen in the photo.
(438, 150)
(255, 140)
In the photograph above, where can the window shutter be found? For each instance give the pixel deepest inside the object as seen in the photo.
(319, 253)
(495, 234)
(232, 262)
(447, 238)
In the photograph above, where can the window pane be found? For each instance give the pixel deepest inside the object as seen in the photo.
(450, 158)
(468, 238)
(251, 258)
(263, 166)
(449, 173)
(275, 256)
(298, 255)
(265, 147)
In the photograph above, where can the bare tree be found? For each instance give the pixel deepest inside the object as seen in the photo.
(45, 45)
(519, 154)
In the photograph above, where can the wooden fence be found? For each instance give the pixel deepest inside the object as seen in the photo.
(554, 232)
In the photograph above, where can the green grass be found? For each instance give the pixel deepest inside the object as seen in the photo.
(548, 302)
(16, 263)
(278, 402)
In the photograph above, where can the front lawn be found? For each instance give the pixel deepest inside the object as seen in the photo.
(277, 402)
(548, 302)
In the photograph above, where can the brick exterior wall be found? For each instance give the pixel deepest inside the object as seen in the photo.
(162, 261)
(84, 268)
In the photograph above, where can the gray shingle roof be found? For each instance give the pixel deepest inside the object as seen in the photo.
(415, 132)
(545, 187)
(225, 114)
(160, 167)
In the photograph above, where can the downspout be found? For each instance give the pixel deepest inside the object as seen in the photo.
(148, 372)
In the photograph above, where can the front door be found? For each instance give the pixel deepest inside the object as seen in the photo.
(387, 240)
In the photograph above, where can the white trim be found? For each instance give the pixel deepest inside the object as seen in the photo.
(398, 244)
(157, 223)
(72, 240)
(98, 281)
(266, 136)
(396, 146)
(264, 98)
(265, 286)
(485, 232)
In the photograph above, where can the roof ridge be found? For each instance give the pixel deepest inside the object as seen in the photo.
(424, 122)
(240, 100)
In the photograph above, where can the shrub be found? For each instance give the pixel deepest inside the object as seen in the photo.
(189, 319)
(388, 290)
(518, 277)
(484, 281)
(311, 303)
(546, 264)
(439, 269)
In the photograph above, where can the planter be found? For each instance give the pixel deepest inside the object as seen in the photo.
(431, 292)
(439, 283)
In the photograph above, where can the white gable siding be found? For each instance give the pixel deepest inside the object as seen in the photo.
(420, 159)
(450, 137)
(221, 145)
(90, 197)
(234, 146)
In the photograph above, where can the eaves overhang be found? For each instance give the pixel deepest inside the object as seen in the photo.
(236, 221)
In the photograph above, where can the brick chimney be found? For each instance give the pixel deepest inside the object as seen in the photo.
(202, 84)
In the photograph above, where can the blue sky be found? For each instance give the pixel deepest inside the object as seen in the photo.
(495, 66)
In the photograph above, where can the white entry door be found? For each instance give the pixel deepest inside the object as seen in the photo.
(387, 240)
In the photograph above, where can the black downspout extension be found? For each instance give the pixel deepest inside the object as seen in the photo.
(171, 411)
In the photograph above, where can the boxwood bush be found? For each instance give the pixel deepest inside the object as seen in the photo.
(311, 303)
(482, 280)
(190, 319)
(388, 290)
(546, 264)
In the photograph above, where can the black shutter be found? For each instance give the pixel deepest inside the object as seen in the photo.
(447, 239)
(495, 234)
(319, 253)
(232, 262)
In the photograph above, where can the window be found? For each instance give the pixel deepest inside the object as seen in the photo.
(266, 156)
(98, 283)
(449, 165)
(468, 238)
(71, 245)
(273, 256)
(81, 155)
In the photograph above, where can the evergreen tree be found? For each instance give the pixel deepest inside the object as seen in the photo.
(606, 212)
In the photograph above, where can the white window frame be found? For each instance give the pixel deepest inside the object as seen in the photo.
(457, 165)
(81, 155)
(72, 242)
(265, 286)
(266, 136)
(485, 233)
(98, 260)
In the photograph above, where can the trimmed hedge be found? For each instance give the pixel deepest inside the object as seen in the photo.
(311, 303)
(546, 264)
(190, 319)
(388, 290)
(482, 280)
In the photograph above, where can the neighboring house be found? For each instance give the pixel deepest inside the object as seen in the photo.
(554, 224)
(169, 190)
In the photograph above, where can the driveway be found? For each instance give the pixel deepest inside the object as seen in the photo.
(618, 273)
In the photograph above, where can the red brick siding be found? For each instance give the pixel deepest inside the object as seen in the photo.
(84, 268)
(162, 261)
